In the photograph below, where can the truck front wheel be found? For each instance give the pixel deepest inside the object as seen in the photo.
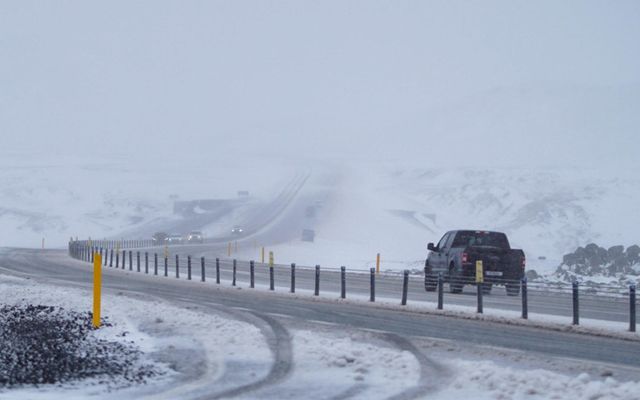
(430, 280)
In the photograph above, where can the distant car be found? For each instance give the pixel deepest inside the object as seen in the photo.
(195, 237)
(237, 230)
(159, 238)
(310, 212)
(174, 239)
(308, 235)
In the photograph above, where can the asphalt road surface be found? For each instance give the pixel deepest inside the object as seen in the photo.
(53, 266)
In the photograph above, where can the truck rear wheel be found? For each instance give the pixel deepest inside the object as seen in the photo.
(455, 282)
(486, 288)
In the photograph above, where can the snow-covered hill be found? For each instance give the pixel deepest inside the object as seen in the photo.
(105, 196)
(392, 209)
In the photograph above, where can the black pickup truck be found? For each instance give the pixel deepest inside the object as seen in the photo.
(455, 258)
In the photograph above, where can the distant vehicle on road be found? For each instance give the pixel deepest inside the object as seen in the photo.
(310, 212)
(308, 235)
(195, 237)
(237, 230)
(455, 258)
(174, 239)
(159, 238)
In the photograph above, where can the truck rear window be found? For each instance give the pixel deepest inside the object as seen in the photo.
(473, 238)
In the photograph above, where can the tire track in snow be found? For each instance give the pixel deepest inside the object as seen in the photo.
(279, 341)
(430, 371)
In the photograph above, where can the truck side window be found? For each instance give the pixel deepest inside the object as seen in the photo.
(442, 241)
(452, 235)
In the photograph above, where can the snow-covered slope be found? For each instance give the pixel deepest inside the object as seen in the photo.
(388, 208)
(396, 210)
(105, 196)
(547, 212)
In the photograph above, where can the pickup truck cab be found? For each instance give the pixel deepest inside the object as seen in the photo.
(455, 256)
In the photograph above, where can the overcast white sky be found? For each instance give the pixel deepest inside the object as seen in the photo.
(497, 82)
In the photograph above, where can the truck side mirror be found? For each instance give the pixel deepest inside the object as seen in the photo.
(431, 247)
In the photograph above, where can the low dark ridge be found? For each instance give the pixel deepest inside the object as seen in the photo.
(50, 345)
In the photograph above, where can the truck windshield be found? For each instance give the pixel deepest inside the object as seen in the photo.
(474, 239)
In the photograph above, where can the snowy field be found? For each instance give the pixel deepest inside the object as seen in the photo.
(364, 208)
(201, 350)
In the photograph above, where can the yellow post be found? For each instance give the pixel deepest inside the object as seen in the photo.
(378, 263)
(263, 254)
(479, 272)
(229, 250)
(271, 259)
(97, 283)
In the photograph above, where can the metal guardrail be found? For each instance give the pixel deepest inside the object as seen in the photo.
(120, 255)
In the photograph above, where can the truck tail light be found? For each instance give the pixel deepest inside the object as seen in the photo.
(524, 262)
(465, 258)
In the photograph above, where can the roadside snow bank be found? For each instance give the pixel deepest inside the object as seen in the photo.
(488, 380)
(339, 362)
(191, 349)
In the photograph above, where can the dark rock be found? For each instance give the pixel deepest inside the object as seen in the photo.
(615, 252)
(633, 254)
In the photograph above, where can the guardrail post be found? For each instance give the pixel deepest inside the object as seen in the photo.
(405, 287)
(217, 270)
(146, 262)
(166, 266)
(91, 255)
(124, 259)
(317, 282)
(576, 306)
(233, 281)
(343, 282)
(130, 260)
(177, 266)
(101, 255)
(117, 260)
(271, 278)
(525, 300)
(293, 277)
(632, 308)
(138, 260)
(189, 268)
(440, 292)
(372, 285)
(106, 255)
(202, 278)
(479, 291)
(155, 263)
(111, 258)
(252, 274)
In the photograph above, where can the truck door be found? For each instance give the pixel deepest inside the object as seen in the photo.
(438, 257)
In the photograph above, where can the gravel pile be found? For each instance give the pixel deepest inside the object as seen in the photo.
(50, 345)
